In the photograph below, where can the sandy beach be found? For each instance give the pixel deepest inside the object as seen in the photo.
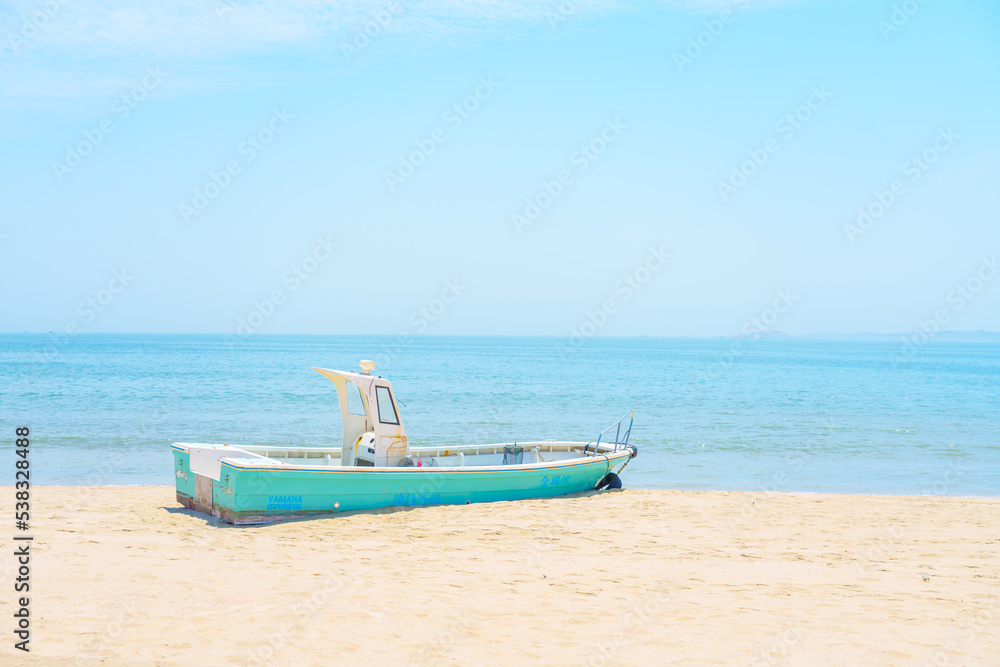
(124, 575)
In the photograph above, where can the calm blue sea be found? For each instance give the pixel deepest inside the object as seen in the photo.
(781, 415)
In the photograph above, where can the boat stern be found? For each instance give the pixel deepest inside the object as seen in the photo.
(184, 478)
(201, 482)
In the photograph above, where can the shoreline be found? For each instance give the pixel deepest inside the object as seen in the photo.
(127, 576)
(627, 488)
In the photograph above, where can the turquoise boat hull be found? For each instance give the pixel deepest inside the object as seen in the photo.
(247, 493)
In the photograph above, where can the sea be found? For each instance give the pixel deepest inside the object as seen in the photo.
(774, 415)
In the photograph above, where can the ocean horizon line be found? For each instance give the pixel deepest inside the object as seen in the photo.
(980, 335)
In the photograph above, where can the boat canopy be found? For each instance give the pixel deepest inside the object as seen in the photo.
(373, 427)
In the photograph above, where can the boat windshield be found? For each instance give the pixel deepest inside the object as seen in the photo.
(386, 410)
(355, 405)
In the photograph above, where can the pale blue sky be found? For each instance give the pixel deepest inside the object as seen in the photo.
(222, 70)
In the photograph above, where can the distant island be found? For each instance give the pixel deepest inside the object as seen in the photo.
(941, 336)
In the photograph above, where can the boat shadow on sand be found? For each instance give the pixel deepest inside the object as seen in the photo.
(216, 522)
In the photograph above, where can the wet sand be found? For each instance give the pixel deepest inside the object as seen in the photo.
(124, 575)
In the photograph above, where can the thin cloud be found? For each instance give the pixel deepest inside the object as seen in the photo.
(216, 27)
(73, 48)
(177, 28)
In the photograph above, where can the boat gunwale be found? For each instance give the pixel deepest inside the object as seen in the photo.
(549, 445)
(589, 459)
(373, 470)
(563, 445)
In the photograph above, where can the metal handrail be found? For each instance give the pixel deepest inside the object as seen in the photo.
(618, 442)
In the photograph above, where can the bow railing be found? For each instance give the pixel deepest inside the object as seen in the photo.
(621, 435)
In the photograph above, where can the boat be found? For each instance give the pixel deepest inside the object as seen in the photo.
(376, 467)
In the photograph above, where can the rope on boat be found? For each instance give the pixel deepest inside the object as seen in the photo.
(627, 461)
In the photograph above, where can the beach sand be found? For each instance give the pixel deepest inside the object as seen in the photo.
(124, 575)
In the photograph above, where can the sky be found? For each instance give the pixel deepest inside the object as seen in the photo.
(504, 168)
